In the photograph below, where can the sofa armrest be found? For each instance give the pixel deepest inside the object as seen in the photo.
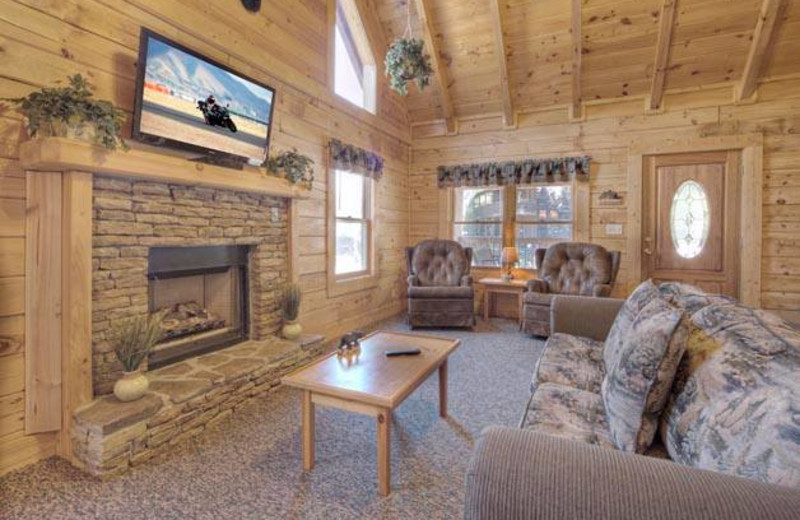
(602, 290)
(536, 285)
(584, 316)
(467, 281)
(519, 474)
(413, 281)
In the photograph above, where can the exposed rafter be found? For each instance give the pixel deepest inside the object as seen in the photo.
(577, 52)
(439, 67)
(763, 36)
(666, 23)
(500, 48)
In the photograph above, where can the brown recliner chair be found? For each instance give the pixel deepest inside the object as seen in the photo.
(566, 268)
(440, 290)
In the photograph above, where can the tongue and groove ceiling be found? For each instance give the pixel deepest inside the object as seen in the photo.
(627, 48)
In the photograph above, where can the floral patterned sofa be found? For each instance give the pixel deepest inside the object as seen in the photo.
(672, 373)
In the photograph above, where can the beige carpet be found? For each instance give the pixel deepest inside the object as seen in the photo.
(248, 467)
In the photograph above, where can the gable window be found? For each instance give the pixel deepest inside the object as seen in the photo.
(353, 223)
(528, 217)
(354, 70)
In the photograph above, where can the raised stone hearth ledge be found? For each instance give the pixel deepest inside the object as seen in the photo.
(61, 154)
(110, 436)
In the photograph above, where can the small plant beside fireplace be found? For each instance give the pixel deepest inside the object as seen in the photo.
(133, 339)
(291, 311)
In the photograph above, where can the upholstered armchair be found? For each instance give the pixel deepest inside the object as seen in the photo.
(440, 288)
(566, 268)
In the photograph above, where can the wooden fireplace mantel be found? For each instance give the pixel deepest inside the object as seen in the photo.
(58, 264)
(61, 154)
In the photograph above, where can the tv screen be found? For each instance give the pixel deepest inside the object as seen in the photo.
(189, 101)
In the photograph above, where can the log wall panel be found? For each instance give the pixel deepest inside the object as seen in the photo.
(607, 133)
(284, 46)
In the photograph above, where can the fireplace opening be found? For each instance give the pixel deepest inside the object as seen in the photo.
(203, 293)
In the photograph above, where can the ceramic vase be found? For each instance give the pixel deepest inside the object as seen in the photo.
(132, 386)
(292, 329)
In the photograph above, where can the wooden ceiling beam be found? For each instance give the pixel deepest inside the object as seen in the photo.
(577, 53)
(500, 48)
(666, 23)
(439, 67)
(763, 36)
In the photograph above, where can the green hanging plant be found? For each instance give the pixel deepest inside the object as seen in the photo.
(406, 61)
(296, 167)
(72, 112)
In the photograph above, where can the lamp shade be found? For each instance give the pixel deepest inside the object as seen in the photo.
(509, 255)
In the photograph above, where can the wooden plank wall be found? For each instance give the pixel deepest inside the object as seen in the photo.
(286, 47)
(607, 132)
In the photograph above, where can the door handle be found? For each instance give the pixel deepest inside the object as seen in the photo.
(647, 251)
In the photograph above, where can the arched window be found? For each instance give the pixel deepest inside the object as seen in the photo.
(354, 71)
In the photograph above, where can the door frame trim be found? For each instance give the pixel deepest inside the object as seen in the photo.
(751, 147)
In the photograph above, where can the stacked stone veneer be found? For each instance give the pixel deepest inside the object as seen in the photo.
(184, 399)
(129, 217)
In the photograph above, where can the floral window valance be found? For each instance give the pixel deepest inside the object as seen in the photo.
(529, 171)
(356, 160)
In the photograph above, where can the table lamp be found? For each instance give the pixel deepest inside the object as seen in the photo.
(508, 257)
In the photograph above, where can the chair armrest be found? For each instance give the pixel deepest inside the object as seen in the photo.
(602, 290)
(467, 281)
(584, 316)
(536, 285)
(413, 280)
(519, 474)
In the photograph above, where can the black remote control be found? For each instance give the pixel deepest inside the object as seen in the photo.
(409, 352)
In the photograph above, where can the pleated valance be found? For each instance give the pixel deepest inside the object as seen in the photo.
(529, 171)
(355, 159)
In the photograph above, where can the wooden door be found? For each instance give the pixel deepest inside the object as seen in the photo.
(691, 220)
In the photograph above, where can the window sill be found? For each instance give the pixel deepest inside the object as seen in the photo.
(340, 286)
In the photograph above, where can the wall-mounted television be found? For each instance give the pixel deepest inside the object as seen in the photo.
(188, 101)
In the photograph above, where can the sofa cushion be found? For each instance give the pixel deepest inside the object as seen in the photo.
(571, 361)
(639, 298)
(537, 298)
(442, 292)
(690, 298)
(568, 413)
(639, 375)
(735, 407)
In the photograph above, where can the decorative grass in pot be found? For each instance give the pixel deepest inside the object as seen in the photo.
(133, 339)
(72, 112)
(291, 311)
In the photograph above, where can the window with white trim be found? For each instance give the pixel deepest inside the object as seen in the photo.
(354, 70)
(478, 223)
(352, 229)
(544, 216)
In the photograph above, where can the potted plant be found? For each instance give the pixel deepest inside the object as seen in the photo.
(291, 311)
(406, 61)
(133, 339)
(72, 112)
(296, 167)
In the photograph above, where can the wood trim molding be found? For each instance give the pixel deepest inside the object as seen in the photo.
(496, 8)
(752, 150)
(43, 303)
(61, 154)
(666, 24)
(439, 67)
(763, 37)
(575, 107)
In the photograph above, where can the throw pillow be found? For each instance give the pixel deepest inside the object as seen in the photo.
(639, 298)
(640, 375)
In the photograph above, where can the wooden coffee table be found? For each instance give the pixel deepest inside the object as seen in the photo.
(371, 384)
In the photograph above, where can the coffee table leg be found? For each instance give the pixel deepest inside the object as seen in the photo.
(486, 300)
(308, 431)
(443, 389)
(384, 451)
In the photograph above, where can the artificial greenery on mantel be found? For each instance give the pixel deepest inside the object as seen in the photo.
(529, 171)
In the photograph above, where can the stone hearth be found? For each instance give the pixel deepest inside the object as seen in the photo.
(184, 399)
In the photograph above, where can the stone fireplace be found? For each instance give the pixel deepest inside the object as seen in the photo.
(215, 261)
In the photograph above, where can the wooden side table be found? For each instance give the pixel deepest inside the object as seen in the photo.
(498, 285)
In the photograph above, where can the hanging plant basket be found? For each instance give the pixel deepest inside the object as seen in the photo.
(406, 61)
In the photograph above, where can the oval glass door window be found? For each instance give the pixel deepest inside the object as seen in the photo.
(689, 219)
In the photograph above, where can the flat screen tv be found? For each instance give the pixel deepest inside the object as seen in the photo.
(188, 101)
